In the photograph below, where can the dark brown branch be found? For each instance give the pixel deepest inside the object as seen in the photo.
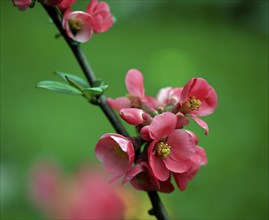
(158, 209)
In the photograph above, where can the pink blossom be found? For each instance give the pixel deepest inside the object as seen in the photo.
(102, 18)
(136, 98)
(65, 4)
(168, 96)
(78, 25)
(141, 177)
(52, 2)
(83, 195)
(198, 98)
(198, 159)
(134, 116)
(116, 153)
(171, 148)
(22, 4)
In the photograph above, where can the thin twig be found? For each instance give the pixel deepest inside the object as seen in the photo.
(158, 209)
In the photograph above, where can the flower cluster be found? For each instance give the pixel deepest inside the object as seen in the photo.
(79, 25)
(163, 148)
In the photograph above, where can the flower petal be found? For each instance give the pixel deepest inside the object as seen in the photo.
(162, 125)
(119, 103)
(116, 153)
(182, 144)
(134, 82)
(134, 116)
(157, 165)
(201, 123)
(177, 166)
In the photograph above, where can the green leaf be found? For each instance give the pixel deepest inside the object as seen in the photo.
(77, 80)
(95, 90)
(58, 87)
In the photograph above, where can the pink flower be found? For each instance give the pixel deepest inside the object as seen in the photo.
(171, 148)
(52, 2)
(78, 25)
(22, 4)
(83, 195)
(65, 4)
(102, 18)
(134, 116)
(116, 153)
(136, 98)
(168, 97)
(198, 98)
(198, 159)
(141, 177)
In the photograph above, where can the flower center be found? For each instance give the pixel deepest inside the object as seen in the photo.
(163, 149)
(119, 152)
(135, 102)
(192, 103)
(75, 26)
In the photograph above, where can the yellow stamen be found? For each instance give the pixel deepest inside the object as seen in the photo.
(192, 103)
(163, 149)
(75, 25)
(135, 102)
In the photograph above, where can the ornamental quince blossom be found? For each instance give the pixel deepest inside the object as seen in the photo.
(116, 153)
(85, 194)
(198, 98)
(78, 25)
(22, 4)
(170, 149)
(65, 4)
(102, 17)
(166, 148)
(135, 98)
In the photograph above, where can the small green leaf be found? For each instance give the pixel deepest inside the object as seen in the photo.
(95, 90)
(58, 87)
(77, 80)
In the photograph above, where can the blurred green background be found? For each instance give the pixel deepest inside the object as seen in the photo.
(225, 42)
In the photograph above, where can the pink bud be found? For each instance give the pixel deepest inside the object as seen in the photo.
(134, 116)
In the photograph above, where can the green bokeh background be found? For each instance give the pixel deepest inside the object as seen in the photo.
(225, 42)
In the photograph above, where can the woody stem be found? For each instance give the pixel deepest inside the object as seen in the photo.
(158, 209)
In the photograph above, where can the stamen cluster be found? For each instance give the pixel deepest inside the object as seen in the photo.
(163, 147)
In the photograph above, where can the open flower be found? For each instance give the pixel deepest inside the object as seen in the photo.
(116, 153)
(171, 148)
(135, 98)
(198, 159)
(78, 25)
(198, 98)
(102, 18)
